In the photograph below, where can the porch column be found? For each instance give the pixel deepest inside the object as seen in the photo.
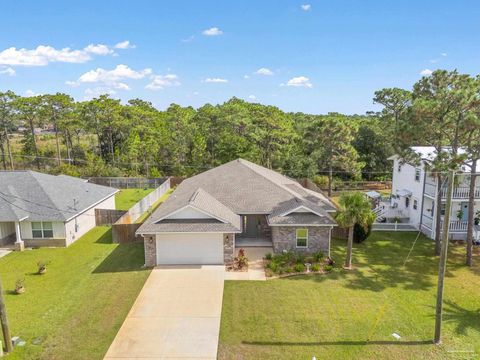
(19, 244)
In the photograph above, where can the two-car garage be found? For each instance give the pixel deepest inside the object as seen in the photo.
(189, 248)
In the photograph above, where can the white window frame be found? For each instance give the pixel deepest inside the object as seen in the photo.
(399, 167)
(415, 204)
(418, 173)
(302, 238)
(42, 228)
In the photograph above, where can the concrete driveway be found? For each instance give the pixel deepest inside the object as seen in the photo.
(176, 316)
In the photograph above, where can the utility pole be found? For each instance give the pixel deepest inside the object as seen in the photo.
(443, 259)
(3, 318)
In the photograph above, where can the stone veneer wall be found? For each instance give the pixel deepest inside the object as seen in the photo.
(284, 238)
(228, 248)
(150, 245)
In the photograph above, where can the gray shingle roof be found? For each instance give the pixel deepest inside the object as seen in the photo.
(226, 220)
(238, 187)
(43, 197)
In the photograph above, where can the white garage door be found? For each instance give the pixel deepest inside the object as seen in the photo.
(191, 248)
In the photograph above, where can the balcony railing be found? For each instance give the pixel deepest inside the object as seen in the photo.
(457, 226)
(459, 192)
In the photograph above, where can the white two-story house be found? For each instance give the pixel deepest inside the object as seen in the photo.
(413, 198)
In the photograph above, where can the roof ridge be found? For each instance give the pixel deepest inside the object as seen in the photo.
(47, 195)
(282, 186)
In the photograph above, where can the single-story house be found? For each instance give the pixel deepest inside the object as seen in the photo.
(45, 210)
(238, 204)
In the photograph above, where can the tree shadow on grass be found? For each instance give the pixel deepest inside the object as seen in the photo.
(386, 262)
(125, 257)
(338, 343)
(463, 318)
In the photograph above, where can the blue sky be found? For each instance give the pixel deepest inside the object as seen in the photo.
(320, 57)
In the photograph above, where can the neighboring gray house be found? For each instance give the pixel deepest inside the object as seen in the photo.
(44, 210)
(235, 205)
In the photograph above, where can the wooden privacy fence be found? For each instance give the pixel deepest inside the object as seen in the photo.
(128, 183)
(125, 233)
(123, 230)
(107, 216)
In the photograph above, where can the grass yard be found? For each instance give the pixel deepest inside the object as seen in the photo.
(126, 198)
(74, 310)
(352, 314)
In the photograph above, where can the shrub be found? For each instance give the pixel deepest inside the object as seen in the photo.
(360, 234)
(288, 270)
(317, 256)
(300, 259)
(315, 268)
(299, 268)
(268, 273)
(274, 266)
(241, 260)
(328, 268)
(268, 256)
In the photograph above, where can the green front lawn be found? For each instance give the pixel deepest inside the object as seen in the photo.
(126, 198)
(74, 310)
(352, 314)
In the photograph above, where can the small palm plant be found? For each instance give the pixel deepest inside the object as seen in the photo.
(354, 209)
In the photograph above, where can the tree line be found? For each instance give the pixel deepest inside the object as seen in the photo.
(103, 137)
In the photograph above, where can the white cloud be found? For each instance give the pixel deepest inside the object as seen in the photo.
(426, 72)
(90, 93)
(98, 49)
(31, 93)
(299, 81)
(41, 56)
(215, 80)
(246, 76)
(8, 71)
(444, 54)
(264, 71)
(214, 31)
(112, 78)
(306, 7)
(252, 97)
(124, 45)
(162, 81)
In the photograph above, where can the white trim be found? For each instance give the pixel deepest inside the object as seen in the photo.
(296, 239)
(195, 208)
(86, 209)
(300, 207)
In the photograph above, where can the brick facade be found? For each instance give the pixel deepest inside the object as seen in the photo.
(150, 245)
(228, 248)
(284, 238)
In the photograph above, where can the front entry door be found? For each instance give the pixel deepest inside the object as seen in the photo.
(251, 226)
(464, 206)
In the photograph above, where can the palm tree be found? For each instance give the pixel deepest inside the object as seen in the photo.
(354, 209)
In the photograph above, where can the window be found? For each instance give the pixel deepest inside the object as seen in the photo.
(302, 238)
(407, 202)
(415, 204)
(42, 230)
(442, 209)
(399, 168)
(417, 175)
